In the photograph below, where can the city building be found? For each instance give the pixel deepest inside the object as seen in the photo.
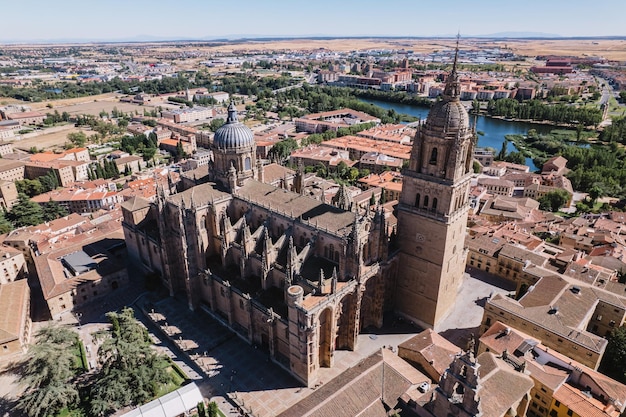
(332, 120)
(11, 170)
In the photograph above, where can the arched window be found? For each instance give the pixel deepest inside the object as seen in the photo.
(247, 164)
(434, 203)
(425, 201)
(417, 200)
(433, 157)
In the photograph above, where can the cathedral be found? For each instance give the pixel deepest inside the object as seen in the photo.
(301, 278)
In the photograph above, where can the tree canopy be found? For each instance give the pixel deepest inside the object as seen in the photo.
(48, 373)
(131, 370)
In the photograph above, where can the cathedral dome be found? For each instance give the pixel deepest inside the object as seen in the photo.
(233, 134)
(447, 116)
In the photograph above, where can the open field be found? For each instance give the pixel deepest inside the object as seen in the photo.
(94, 107)
(48, 140)
(42, 106)
(610, 49)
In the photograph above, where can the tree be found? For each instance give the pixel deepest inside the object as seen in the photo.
(216, 124)
(29, 187)
(502, 154)
(79, 139)
(596, 192)
(180, 151)
(25, 212)
(148, 153)
(476, 167)
(614, 360)
(48, 373)
(5, 225)
(554, 200)
(50, 181)
(213, 409)
(515, 158)
(281, 151)
(53, 210)
(132, 371)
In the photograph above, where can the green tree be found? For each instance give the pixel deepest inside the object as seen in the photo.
(53, 210)
(213, 409)
(49, 182)
(25, 212)
(281, 151)
(29, 187)
(554, 200)
(132, 372)
(5, 225)
(216, 124)
(48, 373)
(79, 139)
(503, 151)
(614, 360)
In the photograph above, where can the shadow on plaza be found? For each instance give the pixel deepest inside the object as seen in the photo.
(392, 324)
(236, 366)
(490, 279)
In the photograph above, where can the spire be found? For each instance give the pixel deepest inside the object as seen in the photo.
(232, 114)
(320, 282)
(333, 282)
(453, 87)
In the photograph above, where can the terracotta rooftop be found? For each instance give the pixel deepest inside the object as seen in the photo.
(433, 347)
(12, 300)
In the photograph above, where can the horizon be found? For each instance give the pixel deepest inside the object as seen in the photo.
(68, 21)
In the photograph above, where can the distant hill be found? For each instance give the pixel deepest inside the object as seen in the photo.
(519, 35)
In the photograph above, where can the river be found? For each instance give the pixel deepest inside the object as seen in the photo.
(493, 129)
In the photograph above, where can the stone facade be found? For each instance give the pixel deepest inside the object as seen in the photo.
(432, 214)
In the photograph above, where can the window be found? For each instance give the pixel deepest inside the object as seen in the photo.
(570, 413)
(241, 304)
(426, 201)
(557, 403)
(433, 157)
(247, 164)
(434, 204)
(417, 200)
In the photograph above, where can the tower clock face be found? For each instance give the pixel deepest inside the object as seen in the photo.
(420, 237)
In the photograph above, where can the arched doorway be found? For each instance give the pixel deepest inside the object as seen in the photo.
(325, 339)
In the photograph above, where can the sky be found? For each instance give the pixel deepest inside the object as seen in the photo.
(50, 20)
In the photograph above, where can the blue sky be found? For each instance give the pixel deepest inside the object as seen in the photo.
(119, 19)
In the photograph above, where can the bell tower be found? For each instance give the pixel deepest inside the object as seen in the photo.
(432, 214)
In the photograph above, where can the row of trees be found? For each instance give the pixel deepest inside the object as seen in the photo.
(131, 373)
(41, 92)
(536, 110)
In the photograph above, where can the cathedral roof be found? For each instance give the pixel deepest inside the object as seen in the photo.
(233, 134)
(325, 216)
